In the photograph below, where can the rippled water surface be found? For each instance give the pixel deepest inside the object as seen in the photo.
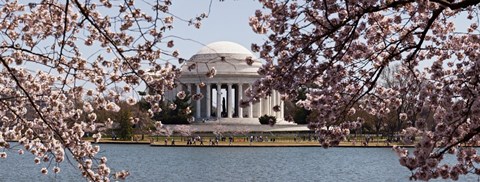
(147, 163)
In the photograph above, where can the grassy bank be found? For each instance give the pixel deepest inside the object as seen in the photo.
(244, 141)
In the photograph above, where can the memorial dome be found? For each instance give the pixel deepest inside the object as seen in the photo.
(225, 47)
(228, 58)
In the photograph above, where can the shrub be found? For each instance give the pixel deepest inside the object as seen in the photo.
(266, 119)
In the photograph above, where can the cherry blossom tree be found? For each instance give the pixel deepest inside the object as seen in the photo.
(343, 47)
(219, 130)
(184, 130)
(244, 130)
(55, 54)
(162, 129)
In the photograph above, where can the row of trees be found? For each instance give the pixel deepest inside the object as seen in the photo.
(386, 122)
(134, 119)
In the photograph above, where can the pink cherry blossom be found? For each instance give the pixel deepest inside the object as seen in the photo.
(3, 155)
(44, 171)
(181, 95)
(63, 61)
(339, 52)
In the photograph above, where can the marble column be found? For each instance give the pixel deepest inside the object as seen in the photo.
(272, 99)
(279, 103)
(219, 100)
(260, 105)
(269, 104)
(275, 98)
(239, 99)
(198, 106)
(230, 100)
(250, 105)
(189, 88)
(281, 109)
(209, 101)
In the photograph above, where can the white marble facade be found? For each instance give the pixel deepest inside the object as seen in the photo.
(233, 77)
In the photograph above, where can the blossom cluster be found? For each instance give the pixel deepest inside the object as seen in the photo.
(339, 50)
(90, 56)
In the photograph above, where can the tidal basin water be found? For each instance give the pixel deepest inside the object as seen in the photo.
(147, 163)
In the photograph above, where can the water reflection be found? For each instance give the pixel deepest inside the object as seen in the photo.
(229, 164)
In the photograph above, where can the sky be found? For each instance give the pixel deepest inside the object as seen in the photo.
(227, 21)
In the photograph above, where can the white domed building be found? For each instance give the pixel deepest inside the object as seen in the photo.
(224, 91)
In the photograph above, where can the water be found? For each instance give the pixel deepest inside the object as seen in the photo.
(147, 163)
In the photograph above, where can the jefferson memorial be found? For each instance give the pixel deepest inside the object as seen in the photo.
(223, 92)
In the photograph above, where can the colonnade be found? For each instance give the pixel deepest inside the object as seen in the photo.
(230, 107)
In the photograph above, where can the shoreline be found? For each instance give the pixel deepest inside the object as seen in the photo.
(224, 144)
(270, 146)
(243, 144)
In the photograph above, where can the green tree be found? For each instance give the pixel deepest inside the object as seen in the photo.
(122, 126)
(125, 128)
(178, 115)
